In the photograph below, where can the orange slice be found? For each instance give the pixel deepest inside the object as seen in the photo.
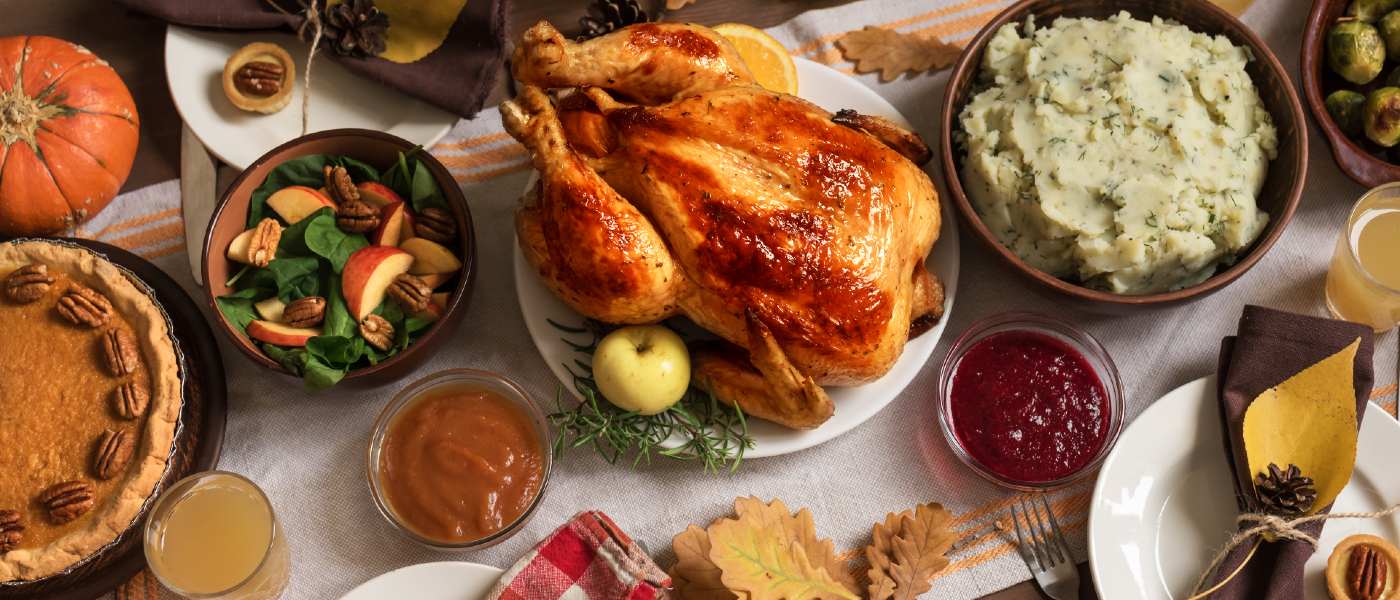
(767, 58)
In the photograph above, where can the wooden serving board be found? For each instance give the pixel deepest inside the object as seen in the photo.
(197, 442)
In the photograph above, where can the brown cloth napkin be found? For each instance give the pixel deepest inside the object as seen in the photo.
(456, 77)
(1272, 346)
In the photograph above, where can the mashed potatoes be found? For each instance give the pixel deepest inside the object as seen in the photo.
(1123, 154)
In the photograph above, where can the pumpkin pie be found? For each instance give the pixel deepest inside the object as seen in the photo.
(90, 397)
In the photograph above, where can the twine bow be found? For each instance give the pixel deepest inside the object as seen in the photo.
(311, 21)
(1259, 524)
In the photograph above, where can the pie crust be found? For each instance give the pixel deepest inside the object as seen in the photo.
(263, 52)
(57, 368)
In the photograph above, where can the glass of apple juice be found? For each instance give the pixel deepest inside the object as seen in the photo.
(1363, 283)
(214, 536)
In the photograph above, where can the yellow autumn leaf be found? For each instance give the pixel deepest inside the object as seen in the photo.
(416, 27)
(821, 552)
(1309, 420)
(694, 575)
(907, 551)
(762, 553)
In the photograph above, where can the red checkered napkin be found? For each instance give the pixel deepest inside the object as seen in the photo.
(587, 558)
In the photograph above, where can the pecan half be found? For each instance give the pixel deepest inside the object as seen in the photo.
(1367, 573)
(83, 306)
(129, 400)
(305, 312)
(11, 530)
(378, 332)
(114, 449)
(119, 350)
(67, 501)
(28, 283)
(435, 224)
(411, 292)
(354, 216)
(338, 183)
(263, 247)
(259, 78)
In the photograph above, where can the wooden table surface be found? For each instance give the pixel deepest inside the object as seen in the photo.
(134, 45)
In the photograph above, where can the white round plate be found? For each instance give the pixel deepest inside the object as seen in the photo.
(194, 66)
(430, 581)
(1164, 502)
(831, 90)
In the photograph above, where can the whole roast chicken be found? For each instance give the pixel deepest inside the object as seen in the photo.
(672, 184)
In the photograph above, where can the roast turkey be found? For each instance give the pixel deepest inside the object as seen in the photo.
(671, 184)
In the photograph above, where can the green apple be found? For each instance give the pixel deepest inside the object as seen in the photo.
(642, 368)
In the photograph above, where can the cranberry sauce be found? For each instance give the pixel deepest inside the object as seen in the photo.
(1028, 407)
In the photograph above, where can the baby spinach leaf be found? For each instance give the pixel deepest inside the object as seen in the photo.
(336, 350)
(425, 191)
(328, 241)
(358, 171)
(238, 308)
(318, 375)
(294, 277)
(337, 321)
(303, 170)
(293, 242)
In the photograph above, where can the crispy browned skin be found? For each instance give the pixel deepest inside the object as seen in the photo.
(797, 239)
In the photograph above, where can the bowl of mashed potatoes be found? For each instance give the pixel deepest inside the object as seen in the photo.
(1124, 153)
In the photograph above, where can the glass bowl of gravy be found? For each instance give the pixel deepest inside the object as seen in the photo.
(459, 459)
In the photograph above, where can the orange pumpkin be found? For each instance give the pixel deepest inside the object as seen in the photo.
(68, 133)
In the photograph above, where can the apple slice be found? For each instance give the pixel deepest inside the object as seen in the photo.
(391, 225)
(430, 257)
(296, 202)
(407, 232)
(281, 335)
(238, 248)
(435, 280)
(435, 308)
(271, 309)
(377, 195)
(367, 275)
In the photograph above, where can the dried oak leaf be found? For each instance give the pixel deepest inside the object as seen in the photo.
(694, 575)
(893, 53)
(677, 4)
(907, 550)
(765, 553)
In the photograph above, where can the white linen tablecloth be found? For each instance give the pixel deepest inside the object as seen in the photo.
(308, 450)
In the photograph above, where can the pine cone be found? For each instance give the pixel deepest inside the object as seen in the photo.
(355, 28)
(1285, 492)
(613, 15)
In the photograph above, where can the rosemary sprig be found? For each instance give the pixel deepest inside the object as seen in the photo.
(710, 432)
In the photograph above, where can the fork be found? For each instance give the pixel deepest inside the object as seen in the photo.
(1042, 545)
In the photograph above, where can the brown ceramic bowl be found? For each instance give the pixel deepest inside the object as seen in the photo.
(377, 149)
(1357, 158)
(1282, 188)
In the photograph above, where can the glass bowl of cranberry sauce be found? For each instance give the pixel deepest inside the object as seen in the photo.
(1029, 402)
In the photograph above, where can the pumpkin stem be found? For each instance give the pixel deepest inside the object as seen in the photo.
(21, 115)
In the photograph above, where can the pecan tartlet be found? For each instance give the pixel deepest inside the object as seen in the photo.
(259, 78)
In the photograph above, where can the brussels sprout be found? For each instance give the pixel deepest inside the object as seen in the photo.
(1346, 107)
(1370, 10)
(1389, 27)
(1393, 79)
(1355, 51)
(1381, 116)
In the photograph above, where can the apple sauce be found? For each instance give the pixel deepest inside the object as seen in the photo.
(460, 463)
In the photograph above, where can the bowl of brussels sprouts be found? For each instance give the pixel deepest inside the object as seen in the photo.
(1351, 78)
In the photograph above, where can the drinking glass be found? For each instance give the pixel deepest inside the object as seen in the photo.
(214, 536)
(1361, 282)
